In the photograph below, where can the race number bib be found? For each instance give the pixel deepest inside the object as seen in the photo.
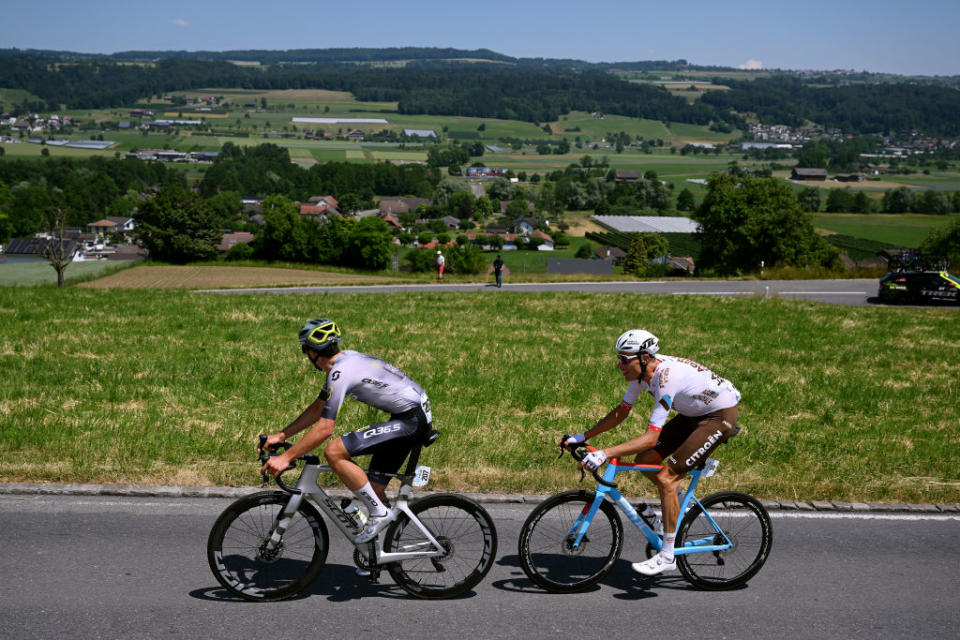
(422, 476)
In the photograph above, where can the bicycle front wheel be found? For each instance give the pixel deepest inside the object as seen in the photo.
(741, 519)
(547, 552)
(465, 531)
(249, 564)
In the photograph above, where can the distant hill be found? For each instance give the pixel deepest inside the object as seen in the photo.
(362, 55)
(484, 83)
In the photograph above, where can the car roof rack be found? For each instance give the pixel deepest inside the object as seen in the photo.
(912, 260)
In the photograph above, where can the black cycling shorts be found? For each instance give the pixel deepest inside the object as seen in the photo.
(691, 439)
(388, 442)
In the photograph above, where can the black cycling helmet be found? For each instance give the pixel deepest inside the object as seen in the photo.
(321, 335)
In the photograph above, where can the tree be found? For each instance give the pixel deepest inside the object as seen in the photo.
(584, 252)
(809, 199)
(861, 203)
(446, 188)
(226, 206)
(30, 204)
(644, 248)
(944, 241)
(6, 202)
(461, 204)
(482, 207)
(178, 226)
(637, 256)
(936, 202)
(517, 209)
(899, 200)
(685, 200)
(500, 189)
(282, 236)
(421, 260)
(745, 220)
(55, 252)
(368, 245)
(466, 259)
(838, 201)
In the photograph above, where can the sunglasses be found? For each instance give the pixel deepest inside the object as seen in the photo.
(626, 359)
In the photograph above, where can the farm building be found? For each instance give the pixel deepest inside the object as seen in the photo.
(402, 205)
(624, 175)
(802, 173)
(420, 133)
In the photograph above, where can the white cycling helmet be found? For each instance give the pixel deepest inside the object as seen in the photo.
(637, 341)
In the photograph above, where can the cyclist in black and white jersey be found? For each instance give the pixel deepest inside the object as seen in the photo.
(374, 382)
(706, 415)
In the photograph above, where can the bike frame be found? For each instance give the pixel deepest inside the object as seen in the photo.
(307, 487)
(607, 490)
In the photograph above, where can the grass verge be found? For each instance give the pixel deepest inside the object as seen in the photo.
(169, 387)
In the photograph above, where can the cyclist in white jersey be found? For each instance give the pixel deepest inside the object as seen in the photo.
(706, 416)
(371, 381)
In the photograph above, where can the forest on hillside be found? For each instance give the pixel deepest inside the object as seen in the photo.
(530, 90)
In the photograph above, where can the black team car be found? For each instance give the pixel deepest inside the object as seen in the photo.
(919, 287)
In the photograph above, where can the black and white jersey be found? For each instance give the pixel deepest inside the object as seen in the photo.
(374, 382)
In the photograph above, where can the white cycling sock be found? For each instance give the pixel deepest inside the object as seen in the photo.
(667, 550)
(371, 501)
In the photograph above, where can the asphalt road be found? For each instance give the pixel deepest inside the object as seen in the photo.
(108, 567)
(849, 292)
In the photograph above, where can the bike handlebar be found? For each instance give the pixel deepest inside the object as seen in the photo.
(267, 452)
(577, 452)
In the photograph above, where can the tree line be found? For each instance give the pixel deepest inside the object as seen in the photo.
(530, 94)
(857, 108)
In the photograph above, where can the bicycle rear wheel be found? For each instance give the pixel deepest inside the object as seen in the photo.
(744, 521)
(248, 565)
(546, 549)
(467, 534)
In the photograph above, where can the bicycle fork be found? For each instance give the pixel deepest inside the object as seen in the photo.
(273, 543)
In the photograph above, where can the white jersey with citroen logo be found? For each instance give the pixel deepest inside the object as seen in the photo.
(687, 387)
(374, 382)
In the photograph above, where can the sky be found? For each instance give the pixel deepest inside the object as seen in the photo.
(892, 36)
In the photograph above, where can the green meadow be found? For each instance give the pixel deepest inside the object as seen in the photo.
(907, 230)
(170, 387)
(28, 274)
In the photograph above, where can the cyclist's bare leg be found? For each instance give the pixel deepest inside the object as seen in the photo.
(650, 456)
(667, 482)
(350, 473)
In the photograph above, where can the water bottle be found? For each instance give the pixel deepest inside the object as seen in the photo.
(354, 510)
(652, 519)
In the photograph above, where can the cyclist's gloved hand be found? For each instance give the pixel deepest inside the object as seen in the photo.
(273, 440)
(568, 440)
(594, 459)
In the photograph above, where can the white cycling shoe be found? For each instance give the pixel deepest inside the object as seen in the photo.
(374, 525)
(655, 565)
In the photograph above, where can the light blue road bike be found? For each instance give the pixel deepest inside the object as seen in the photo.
(572, 540)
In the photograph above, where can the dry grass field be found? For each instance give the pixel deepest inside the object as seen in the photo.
(213, 277)
(581, 225)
